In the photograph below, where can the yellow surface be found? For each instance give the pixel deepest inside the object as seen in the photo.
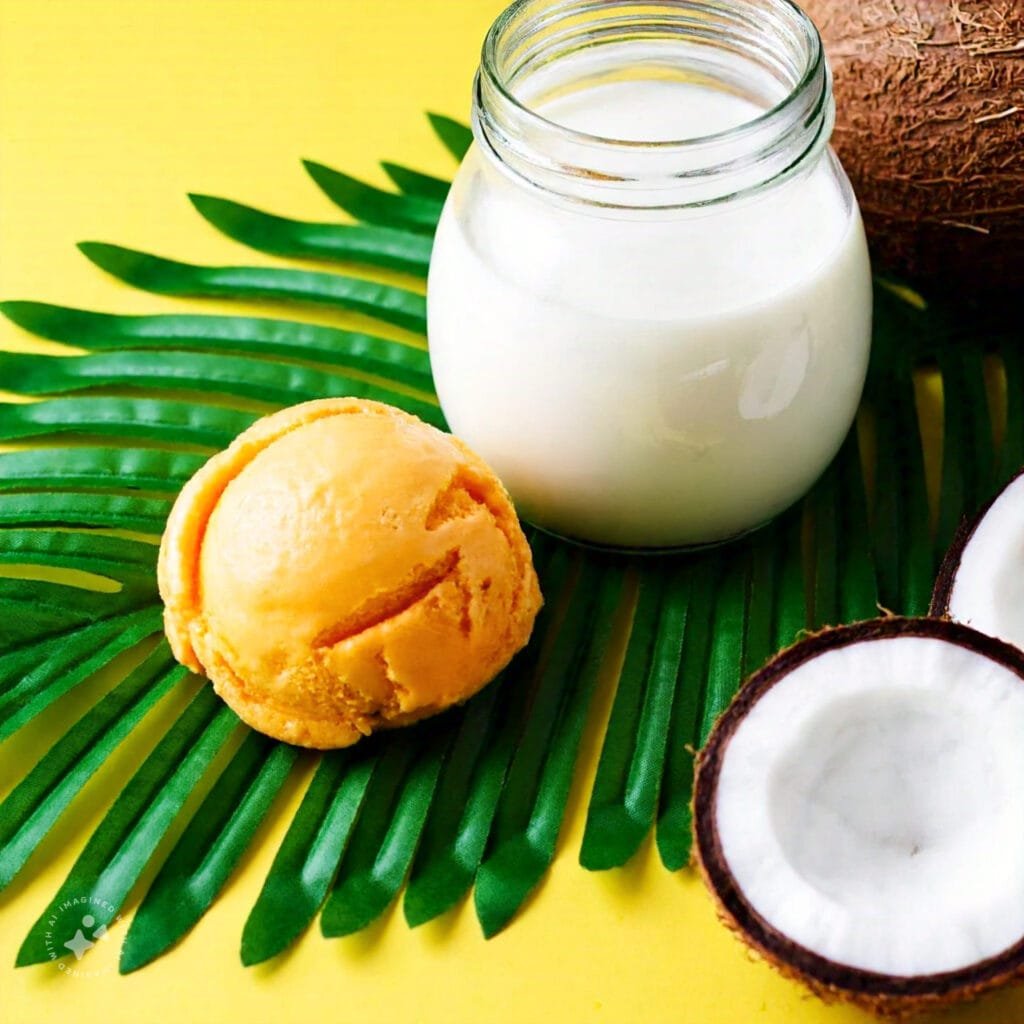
(343, 566)
(109, 113)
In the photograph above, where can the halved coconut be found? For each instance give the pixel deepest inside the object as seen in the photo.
(859, 812)
(981, 581)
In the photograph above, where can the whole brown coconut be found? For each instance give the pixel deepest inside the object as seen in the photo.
(930, 128)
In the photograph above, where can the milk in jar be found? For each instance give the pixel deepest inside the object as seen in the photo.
(649, 301)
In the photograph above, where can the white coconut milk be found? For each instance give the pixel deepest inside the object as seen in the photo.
(650, 377)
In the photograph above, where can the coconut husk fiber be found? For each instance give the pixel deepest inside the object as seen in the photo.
(930, 128)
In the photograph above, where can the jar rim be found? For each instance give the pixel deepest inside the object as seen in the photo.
(488, 59)
(701, 168)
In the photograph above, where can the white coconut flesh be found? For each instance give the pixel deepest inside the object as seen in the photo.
(870, 806)
(988, 585)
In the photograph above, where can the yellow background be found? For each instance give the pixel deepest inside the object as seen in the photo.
(110, 110)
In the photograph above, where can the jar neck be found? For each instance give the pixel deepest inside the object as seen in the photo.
(764, 51)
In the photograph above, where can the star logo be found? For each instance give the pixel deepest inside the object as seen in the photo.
(79, 944)
(88, 932)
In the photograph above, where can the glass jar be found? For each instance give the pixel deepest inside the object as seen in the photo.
(649, 301)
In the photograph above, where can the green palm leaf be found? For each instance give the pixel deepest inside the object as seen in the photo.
(904, 556)
(376, 246)
(168, 277)
(625, 793)
(31, 608)
(277, 383)
(1011, 457)
(474, 776)
(115, 557)
(529, 817)
(72, 509)
(123, 843)
(676, 782)
(387, 833)
(467, 792)
(455, 136)
(258, 336)
(416, 183)
(903, 551)
(142, 469)
(18, 658)
(209, 849)
(308, 859)
(479, 795)
(968, 465)
(844, 575)
(35, 675)
(856, 579)
(729, 628)
(373, 205)
(167, 422)
(33, 806)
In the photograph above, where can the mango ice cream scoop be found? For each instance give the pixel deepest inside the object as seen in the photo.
(344, 567)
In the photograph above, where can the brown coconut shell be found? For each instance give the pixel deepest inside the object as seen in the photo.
(946, 577)
(930, 128)
(883, 995)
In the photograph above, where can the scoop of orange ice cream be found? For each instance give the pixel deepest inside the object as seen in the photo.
(343, 567)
